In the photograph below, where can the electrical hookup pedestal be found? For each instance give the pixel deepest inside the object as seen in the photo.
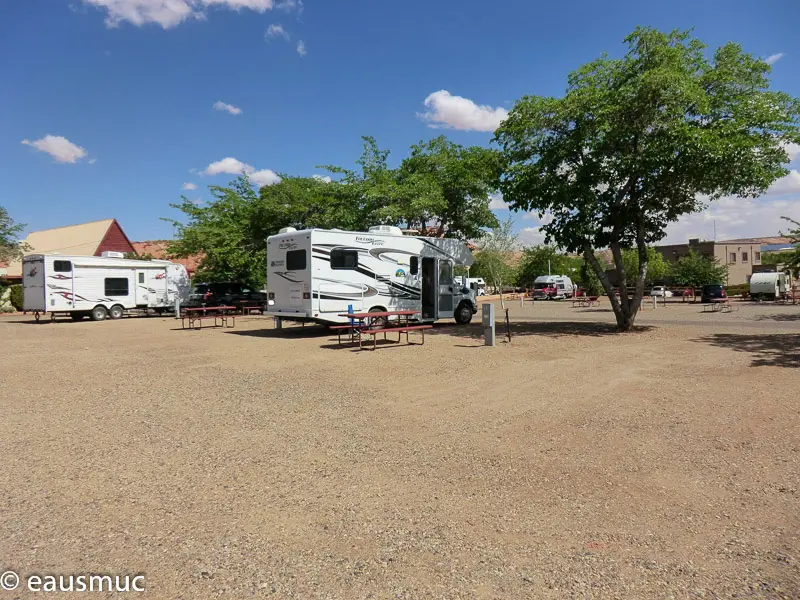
(487, 317)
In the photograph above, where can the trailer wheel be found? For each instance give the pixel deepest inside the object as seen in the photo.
(463, 313)
(76, 316)
(116, 312)
(99, 313)
(378, 322)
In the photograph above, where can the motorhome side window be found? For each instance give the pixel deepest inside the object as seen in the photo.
(414, 265)
(344, 259)
(116, 286)
(296, 260)
(141, 277)
(62, 266)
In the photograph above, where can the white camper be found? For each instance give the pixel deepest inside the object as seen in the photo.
(100, 286)
(318, 274)
(768, 286)
(552, 287)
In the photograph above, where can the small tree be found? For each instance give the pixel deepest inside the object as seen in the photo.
(657, 267)
(494, 260)
(696, 270)
(792, 257)
(10, 246)
(638, 141)
(589, 280)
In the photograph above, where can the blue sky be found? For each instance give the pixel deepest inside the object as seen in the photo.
(126, 91)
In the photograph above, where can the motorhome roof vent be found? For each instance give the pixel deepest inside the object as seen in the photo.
(111, 254)
(386, 229)
(287, 230)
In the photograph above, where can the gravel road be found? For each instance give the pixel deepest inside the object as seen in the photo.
(255, 463)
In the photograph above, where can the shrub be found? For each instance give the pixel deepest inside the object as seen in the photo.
(16, 296)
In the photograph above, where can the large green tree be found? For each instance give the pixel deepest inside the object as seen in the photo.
(10, 245)
(657, 268)
(638, 141)
(696, 270)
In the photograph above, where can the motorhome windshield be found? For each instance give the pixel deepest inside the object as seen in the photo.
(543, 286)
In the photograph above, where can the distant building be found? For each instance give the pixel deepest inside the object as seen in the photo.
(158, 249)
(741, 256)
(86, 239)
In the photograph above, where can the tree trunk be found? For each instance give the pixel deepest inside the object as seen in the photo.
(625, 309)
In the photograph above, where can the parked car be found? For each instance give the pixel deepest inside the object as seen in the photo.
(713, 291)
(661, 291)
(225, 293)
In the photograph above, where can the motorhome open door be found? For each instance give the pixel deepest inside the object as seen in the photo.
(430, 288)
(446, 289)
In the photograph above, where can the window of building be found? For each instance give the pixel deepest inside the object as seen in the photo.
(116, 286)
(344, 259)
(141, 277)
(296, 260)
(744, 257)
(414, 265)
(62, 266)
(732, 259)
(757, 257)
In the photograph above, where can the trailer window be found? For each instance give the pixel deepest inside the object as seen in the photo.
(296, 260)
(116, 286)
(344, 259)
(414, 265)
(62, 266)
(141, 277)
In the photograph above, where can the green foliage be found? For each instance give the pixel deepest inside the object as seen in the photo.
(637, 141)
(16, 296)
(544, 260)
(441, 188)
(696, 270)
(737, 290)
(657, 268)
(494, 261)
(792, 258)
(10, 246)
(135, 256)
(589, 280)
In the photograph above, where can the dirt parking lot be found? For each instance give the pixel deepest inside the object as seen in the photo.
(250, 462)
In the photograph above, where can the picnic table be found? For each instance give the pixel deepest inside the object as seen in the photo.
(718, 305)
(585, 301)
(196, 316)
(361, 324)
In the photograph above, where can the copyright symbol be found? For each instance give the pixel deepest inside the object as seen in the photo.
(9, 581)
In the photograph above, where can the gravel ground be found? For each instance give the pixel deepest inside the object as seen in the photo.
(571, 463)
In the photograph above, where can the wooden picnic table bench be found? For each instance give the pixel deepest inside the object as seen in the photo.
(585, 301)
(718, 305)
(197, 315)
(361, 324)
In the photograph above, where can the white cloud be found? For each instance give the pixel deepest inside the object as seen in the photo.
(792, 149)
(264, 177)
(291, 6)
(789, 184)
(735, 218)
(92, 161)
(58, 147)
(233, 166)
(189, 186)
(168, 13)
(224, 106)
(773, 58)
(496, 202)
(531, 236)
(455, 112)
(275, 31)
(323, 178)
(301, 48)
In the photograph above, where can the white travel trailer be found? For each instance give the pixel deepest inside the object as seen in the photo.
(100, 286)
(768, 286)
(317, 274)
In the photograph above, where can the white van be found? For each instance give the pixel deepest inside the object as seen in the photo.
(552, 287)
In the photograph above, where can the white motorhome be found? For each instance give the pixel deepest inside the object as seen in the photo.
(553, 287)
(318, 274)
(768, 286)
(100, 286)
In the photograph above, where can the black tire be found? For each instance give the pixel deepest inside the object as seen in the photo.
(116, 312)
(463, 314)
(378, 322)
(99, 313)
(77, 316)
